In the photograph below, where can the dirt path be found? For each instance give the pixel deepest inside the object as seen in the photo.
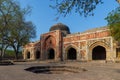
(96, 71)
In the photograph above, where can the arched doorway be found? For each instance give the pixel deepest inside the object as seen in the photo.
(71, 55)
(28, 55)
(37, 54)
(51, 54)
(99, 53)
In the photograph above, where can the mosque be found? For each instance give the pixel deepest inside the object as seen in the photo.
(60, 45)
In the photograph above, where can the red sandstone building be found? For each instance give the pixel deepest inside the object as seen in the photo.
(59, 44)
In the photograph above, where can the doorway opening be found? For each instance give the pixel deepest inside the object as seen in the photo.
(28, 55)
(37, 54)
(71, 55)
(51, 54)
(99, 53)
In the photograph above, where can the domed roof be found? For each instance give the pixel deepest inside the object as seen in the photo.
(60, 26)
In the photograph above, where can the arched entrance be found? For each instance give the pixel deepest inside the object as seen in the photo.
(99, 53)
(28, 55)
(71, 54)
(37, 54)
(51, 53)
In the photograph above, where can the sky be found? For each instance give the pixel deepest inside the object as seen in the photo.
(43, 17)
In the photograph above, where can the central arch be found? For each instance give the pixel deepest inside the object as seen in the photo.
(71, 54)
(37, 54)
(99, 53)
(51, 53)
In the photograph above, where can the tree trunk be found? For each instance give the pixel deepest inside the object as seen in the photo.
(16, 52)
(2, 51)
(1, 54)
(16, 55)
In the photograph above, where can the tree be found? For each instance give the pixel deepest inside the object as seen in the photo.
(7, 12)
(20, 31)
(82, 7)
(15, 30)
(113, 20)
(20, 35)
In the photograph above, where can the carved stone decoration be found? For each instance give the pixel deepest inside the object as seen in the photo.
(67, 48)
(82, 54)
(82, 45)
(106, 41)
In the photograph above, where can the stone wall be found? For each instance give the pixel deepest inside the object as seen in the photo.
(29, 50)
(84, 43)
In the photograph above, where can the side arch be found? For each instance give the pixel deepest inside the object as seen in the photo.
(98, 47)
(71, 52)
(99, 53)
(28, 55)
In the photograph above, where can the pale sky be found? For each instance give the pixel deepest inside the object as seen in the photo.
(43, 16)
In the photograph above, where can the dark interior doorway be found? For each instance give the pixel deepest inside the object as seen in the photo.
(71, 55)
(99, 53)
(28, 55)
(51, 54)
(37, 54)
(118, 53)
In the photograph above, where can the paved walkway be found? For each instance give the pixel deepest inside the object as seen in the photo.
(96, 71)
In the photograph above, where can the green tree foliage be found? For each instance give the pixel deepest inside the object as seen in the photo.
(20, 35)
(83, 7)
(15, 30)
(7, 12)
(113, 20)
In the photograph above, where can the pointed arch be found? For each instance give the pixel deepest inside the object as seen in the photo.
(97, 49)
(99, 53)
(71, 52)
(50, 41)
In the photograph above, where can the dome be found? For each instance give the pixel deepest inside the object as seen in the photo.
(61, 27)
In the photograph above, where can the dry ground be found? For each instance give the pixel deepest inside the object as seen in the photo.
(96, 71)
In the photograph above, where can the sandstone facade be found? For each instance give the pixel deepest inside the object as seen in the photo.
(58, 44)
